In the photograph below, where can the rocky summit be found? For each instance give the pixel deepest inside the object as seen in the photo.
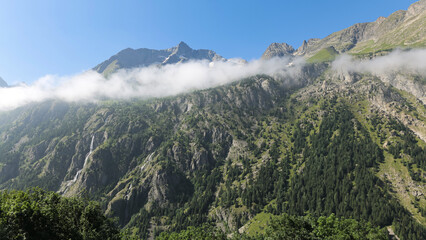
(143, 57)
(278, 50)
(403, 29)
(325, 152)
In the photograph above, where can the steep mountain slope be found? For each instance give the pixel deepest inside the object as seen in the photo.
(209, 155)
(334, 141)
(405, 29)
(278, 50)
(131, 58)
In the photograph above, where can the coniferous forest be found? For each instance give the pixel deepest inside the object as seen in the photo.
(326, 141)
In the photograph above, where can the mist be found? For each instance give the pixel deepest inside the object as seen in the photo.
(144, 83)
(411, 61)
(169, 80)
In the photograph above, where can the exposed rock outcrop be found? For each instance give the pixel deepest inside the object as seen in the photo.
(132, 58)
(278, 50)
(400, 29)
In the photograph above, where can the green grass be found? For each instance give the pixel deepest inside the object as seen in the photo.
(324, 55)
(258, 224)
(111, 68)
(402, 185)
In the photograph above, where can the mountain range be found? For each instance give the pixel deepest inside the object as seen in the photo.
(143, 57)
(349, 143)
(403, 29)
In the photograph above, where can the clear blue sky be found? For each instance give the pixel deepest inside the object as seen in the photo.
(66, 37)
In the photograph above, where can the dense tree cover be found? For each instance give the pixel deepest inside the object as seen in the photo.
(195, 210)
(286, 226)
(335, 173)
(338, 177)
(203, 232)
(308, 227)
(184, 211)
(38, 214)
(408, 147)
(271, 183)
(293, 154)
(403, 144)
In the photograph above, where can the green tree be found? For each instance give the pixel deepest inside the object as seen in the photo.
(38, 214)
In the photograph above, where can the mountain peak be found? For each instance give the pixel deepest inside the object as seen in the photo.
(183, 45)
(142, 57)
(278, 50)
(182, 48)
(417, 8)
(401, 29)
(380, 19)
(301, 50)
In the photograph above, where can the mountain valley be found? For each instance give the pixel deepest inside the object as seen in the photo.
(324, 140)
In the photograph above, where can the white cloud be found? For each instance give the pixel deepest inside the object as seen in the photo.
(168, 80)
(412, 61)
(148, 82)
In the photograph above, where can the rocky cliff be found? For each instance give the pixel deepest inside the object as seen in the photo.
(143, 57)
(404, 29)
(201, 156)
(322, 140)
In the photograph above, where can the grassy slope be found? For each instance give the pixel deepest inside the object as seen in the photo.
(324, 55)
(407, 35)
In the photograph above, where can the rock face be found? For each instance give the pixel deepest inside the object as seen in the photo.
(2, 83)
(401, 29)
(278, 50)
(132, 58)
(165, 161)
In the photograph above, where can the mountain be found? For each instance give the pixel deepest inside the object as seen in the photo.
(278, 50)
(3, 83)
(132, 58)
(404, 29)
(227, 154)
(320, 141)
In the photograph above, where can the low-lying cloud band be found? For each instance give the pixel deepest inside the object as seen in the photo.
(412, 61)
(147, 82)
(168, 80)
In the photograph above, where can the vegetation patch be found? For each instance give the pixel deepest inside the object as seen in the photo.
(324, 55)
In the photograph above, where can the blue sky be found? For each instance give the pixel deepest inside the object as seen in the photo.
(67, 37)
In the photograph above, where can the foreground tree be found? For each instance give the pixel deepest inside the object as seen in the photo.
(38, 214)
(291, 227)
